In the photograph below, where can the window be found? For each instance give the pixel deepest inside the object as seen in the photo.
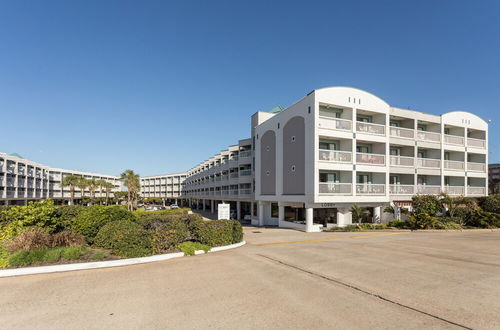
(293, 138)
(293, 168)
(364, 178)
(329, 177)
(394, 123)
(422, 127)
(275, 210)
(421, 179)
(364, 118)
(395, 151)
(394, 179)
(364, 148)
(268, 173)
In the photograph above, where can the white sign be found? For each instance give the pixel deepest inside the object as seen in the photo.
(223, 211)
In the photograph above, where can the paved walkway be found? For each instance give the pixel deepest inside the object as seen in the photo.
(280, 279)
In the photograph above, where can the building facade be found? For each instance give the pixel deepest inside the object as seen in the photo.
(336, 147)
(168, 187)
(22, 181)
(494, 178)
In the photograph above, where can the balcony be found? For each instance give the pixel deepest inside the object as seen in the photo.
(428, 136)
(245, 192)
(428, 163)
(454, 139)
(402, 132)
(478, 191)
(402, 161)
(399, 189)
(476, 143)
(428, 189)
(233, 175)
(335, 156)
(372, 159)
(454, 165)
(335, 188)
(454, 190)
(245, 153)
(234, 192)
(476, 167)
(370, 189)
(245, 172)
(335, 123)
(370, 128)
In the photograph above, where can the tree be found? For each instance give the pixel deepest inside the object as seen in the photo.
(92, 184)
(71, 181)
(132, 182)
(108, 188)
(358, 213)
(82, 185)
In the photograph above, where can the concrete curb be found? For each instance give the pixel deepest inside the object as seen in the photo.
(105, 264)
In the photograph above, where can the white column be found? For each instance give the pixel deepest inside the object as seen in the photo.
(309, 219)
(212, 206)
(238, 210)
(376, 214)
(203, 204)
(281, 213)
(261, 213)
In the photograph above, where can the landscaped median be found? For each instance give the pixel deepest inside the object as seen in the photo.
(60, 238)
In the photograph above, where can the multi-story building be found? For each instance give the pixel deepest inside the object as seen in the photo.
(341, 146)
(494, 178)
(167, 187)
(22, 181)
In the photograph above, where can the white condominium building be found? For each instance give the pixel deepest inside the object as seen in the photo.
(22, 181)
(168, 187)
(340, 146)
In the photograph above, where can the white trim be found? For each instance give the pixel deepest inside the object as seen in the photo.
(105, 264)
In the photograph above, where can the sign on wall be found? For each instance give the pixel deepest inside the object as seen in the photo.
(223, 211)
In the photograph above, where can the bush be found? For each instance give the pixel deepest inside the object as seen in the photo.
(124, 238)
(66, 214)
(4, 256)
(73, 252)
(89, 221)
(26, 258)
(428, 204)
(30, 240)
(482, 219)
(53, 255)
(168, 236)
(216, 232)
(98, 255)
(189, 248)
(68, 238)
(398, 224)
(155, 219)
(20, 258)
(491, 203)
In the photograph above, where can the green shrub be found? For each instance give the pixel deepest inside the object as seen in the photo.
(189, 248)
(398, 224)
(482, 219)
(35, 214)
(428, 204)
(168, 236)
(491, 203)
(66, 214)
(73, 252)
(124, 238)
(20, 258)
(90, 220)
(98, 255)
(53, 255)
(155, 219)
(215, 232)
(237, 232)
(29, 240)
(4, 256)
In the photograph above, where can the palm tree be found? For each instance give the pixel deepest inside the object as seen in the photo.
(82, 184)
(358, 213)
(108, 188)
(71, 181)
(92, 184)
(131, 181)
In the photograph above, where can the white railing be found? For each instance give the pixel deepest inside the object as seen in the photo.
(428, 162)
(245, 172)
(335, 188)
(246, 153)
(370, 128)
(225, 192)
(454, 139)
(454, 165)
(402, 161)
(428, 136)
(370, 189)
(454, 190)
(224, 177)
(234, 192)
(245, 191)
(476, 190)
(334, 123)
(402, 132)
(234, 175)
(335, 156)
(428, 189)
(476, 167)
(401, 189)
(476, 143)
(373, 159)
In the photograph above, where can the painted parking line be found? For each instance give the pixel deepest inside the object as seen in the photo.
(329, 239)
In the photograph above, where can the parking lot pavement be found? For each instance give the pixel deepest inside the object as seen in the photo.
(280, 279)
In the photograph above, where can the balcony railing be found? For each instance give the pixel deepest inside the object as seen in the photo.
(402, 161)
(454, 139)
(428, 162)
(335, 123)
(476, 190)
(454, 165)
(370, 189)
(399, 189)
(234, 175)
(245, 191)
(373, 159)
(335, 156)
(402, 132)
(454, 190)
(245, 172)
(234, 192)
(476, 143)
(476, 167)
(246, 153)
(428, 189)
(370, 128)
(428, 136)
(335, 188)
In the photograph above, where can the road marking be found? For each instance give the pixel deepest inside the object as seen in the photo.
(304, 241)
(376, 235)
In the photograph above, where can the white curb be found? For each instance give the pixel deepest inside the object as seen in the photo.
(105, 264)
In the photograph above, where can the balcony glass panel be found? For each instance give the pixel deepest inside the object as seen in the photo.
(402, 161)
(373, 159)
(476, 143)
(476, 167)
(454, 165)
(428, 136)
(402, 132)
(399, 189)
(335, 156)
(454, 139)
(335, 188)
(335, 123)
(370, 189)
(428, 189)
(370, 128)
(429, 162)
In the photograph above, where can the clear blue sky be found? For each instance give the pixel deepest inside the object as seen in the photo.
(158, 86)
